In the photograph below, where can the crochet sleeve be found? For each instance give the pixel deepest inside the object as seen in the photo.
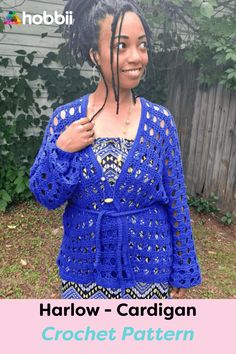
(185, 271)
(55, 173)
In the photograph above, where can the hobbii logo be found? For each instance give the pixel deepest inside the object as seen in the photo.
(47, 19)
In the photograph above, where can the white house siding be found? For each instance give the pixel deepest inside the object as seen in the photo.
(28, 37)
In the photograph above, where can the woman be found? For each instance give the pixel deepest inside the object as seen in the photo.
(127, 230)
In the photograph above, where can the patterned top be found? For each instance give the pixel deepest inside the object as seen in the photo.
(138, 231)
(111, 154)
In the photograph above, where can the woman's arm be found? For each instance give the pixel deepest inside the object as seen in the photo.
(186, 271)
(55, 172)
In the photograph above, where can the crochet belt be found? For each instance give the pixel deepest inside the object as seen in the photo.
(122, 235)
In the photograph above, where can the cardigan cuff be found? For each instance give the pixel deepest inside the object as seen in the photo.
(63, 154)
(185, 278)
(60, 160)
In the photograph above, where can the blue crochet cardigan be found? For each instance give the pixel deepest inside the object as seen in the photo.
(141, 230)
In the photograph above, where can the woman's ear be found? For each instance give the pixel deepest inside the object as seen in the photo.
(94, 56)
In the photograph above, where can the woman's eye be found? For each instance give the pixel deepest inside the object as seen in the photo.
(143, 45)
(120, 45)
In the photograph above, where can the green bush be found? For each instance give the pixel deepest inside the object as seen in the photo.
(227, 218)
(204, 205)
(19, 111)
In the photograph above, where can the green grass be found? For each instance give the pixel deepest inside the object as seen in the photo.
(32, 234)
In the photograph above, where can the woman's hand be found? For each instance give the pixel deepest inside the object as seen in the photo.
(77, 136)
(178, 293)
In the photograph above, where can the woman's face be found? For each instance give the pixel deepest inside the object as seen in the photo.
(133, 55)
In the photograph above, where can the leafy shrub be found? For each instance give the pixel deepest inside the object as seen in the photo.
(204, 205)
(20, 111)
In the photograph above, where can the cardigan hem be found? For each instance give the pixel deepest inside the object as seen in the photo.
(115, 284)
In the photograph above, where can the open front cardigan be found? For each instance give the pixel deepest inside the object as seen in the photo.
(138, 231)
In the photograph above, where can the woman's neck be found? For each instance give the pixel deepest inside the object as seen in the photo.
(99, 96)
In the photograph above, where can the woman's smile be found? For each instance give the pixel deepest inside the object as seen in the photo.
(135, 69)
(132, 73)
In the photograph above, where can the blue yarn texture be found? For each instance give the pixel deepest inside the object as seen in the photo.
(138, 231)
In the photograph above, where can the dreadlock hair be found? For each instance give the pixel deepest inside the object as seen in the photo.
(83, 34)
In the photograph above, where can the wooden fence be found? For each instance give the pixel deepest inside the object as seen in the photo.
(206, 121)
